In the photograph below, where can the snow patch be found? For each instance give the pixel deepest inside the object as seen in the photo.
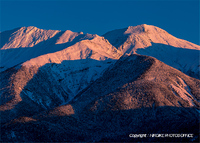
(74, 76)
(183, 91)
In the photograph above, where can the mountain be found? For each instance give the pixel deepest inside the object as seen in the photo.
(53, 71)
(138, 94)
(135, 77)
(28, 43)
(156, 42)
(85, 87)
(132, 38)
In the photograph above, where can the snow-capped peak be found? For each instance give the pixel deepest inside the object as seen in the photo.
(144, 28)
(27, 37)
(136, 29)
(142, 36)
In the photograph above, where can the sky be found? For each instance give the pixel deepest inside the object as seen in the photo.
(178, 17)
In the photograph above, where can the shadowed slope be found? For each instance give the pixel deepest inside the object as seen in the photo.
(31, 89)
(5, 36)
(183, 59)
(139, 81)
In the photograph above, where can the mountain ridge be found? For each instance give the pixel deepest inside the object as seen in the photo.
(68, 86)
(134, 39)
(31, 48)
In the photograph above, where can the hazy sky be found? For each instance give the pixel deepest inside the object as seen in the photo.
(179, 18)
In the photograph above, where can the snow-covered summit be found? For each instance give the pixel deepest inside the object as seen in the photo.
(27, 43)
(27, 37)
(128, 40)
(153, 41)
(137, 29)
